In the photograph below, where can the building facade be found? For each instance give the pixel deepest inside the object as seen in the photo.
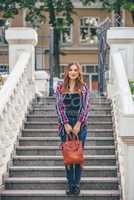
(78, 42)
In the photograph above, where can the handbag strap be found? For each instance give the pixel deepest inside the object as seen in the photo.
(68, 137)
(75, 137)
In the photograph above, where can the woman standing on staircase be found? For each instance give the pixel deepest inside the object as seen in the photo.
(72, 106)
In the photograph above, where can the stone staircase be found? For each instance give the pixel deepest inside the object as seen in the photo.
(36, 171)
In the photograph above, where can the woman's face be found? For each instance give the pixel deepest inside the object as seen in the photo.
(73, 72)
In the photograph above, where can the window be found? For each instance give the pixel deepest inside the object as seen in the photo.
(66, 35)
(39, 58)
(3, 25)
(65, 30)
(4, 69)
(91, 68)
(88, 30)
(62, 67)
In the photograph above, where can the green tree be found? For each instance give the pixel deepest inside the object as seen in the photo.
(130, 6)
(60, 14)
(36, 15)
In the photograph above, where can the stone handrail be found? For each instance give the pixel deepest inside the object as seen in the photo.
(123, 114)
(15, 97)
(121, 85)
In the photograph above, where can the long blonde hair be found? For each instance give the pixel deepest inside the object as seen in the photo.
(79, 80)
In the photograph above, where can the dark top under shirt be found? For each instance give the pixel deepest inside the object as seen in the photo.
(72, 104)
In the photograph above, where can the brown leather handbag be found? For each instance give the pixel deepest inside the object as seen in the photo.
(72, 151)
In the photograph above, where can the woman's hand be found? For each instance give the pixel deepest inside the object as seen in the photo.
(76, 128)
(68, 128)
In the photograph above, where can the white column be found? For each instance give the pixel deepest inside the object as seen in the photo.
(21, 39)
(122, 39)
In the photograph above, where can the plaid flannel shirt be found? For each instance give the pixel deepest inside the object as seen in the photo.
(60, 107)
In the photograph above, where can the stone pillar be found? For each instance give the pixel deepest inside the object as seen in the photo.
(122, 39)
(21, 39)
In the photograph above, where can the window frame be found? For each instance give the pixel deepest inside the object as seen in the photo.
(84, 68)
(71, 34)
(6, 71)
(79, 24)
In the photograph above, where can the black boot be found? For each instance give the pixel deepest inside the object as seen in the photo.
(76, 190)
(70, 190)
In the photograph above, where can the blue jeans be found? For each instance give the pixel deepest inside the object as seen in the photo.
(73, 172)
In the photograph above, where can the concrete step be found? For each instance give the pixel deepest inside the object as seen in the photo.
(37, 171)
(37, 125)
(52, 112)
(54, 118)
(99, 160)
(54, 171)
(29, 183)
(54, 132)
(92, 95)
(59, 195)
(41, 141)
(55, 150)
(52, 105)
(53, 99)
(49, 104)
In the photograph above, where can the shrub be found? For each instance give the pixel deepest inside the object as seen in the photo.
(131, 84)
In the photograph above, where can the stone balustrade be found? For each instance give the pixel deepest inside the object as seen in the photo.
(121, 41)
(17, 91)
